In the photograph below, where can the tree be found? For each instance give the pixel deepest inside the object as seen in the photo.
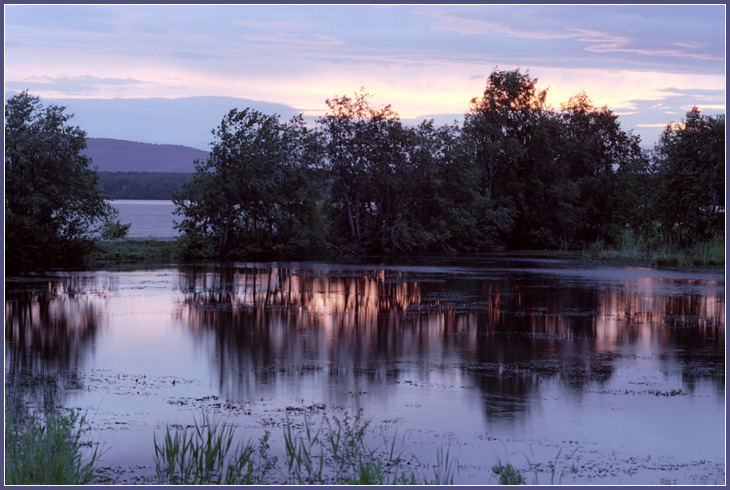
(605, 163)
(257, 190)
(501, 121)
(449, 208)
(503, 127)
(365, 147)
(53, 204)
(690, 166)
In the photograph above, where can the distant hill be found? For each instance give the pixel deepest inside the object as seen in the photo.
(184, 121)
(112, 155)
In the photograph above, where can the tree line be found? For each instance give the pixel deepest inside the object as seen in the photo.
(142, 185)
(516, 174)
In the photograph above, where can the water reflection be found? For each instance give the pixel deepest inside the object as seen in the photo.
(50, 326)
(357, 329)
(505, 334)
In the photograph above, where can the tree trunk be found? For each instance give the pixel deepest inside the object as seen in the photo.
(223, 241)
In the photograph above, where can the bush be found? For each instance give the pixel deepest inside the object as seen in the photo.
(113, 227)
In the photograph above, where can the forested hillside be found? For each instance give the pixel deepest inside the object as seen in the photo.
(142, 185)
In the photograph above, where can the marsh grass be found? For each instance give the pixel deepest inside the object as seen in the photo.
(553, 467)
(137, 250)
(636, 250)
(508, 474)
(205, 456)
(47, 450)
(334, 452)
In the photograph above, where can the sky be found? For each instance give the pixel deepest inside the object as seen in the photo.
(648, 63)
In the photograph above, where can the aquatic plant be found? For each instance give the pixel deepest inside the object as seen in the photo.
(508, 474)
(202, 456)
(552, 466)
(47, 450)
(335, 452)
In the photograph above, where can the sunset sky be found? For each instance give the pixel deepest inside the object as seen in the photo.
(649, 63)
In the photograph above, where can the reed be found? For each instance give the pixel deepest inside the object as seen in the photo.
(337, 453)
(48, 449)
(334, 452)
(204, 456)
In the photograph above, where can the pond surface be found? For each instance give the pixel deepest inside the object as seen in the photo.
(615, 375)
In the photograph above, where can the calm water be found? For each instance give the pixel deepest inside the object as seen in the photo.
(149, 218)
(496, 357)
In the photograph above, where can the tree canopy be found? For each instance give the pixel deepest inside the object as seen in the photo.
(690, 167)
(258, 190)
(53, 204)
(517, 174)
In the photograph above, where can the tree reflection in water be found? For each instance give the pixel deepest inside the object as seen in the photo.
(50, 326)
(506, 334)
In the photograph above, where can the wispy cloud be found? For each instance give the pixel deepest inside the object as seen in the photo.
(644, 61)
(577, 33)
(620, 44)
(305, 39)
(276, 25)
(471, 26)
(74, 86)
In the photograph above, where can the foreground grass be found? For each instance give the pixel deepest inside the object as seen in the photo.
(47, 450)
(333, 453)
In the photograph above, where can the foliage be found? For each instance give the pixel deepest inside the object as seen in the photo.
(258, 190)
(690, 171)
(142, 185)
(508, 474)
(518, 174)
(606, 165)
(113, 227)
(137, 249)
(366, 150)
(47, 452)
(52, 199)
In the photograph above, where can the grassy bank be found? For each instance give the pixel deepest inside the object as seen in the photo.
(628, 251)
(632, 251)
(136, 250)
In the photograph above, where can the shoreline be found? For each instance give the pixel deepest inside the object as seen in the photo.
(167, 250)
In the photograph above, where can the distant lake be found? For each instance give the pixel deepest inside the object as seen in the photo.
(148, 218)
